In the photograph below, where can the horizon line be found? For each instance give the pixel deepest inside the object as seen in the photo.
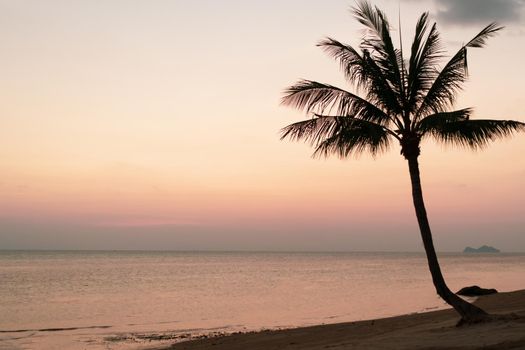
(245, 251)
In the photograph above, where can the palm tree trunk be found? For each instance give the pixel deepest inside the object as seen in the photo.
(469, 313)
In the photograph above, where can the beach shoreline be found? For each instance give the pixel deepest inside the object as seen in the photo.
(428, 330)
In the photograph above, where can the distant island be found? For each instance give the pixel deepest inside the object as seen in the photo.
(482, 249)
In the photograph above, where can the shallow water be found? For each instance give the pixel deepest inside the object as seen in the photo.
(115, 300)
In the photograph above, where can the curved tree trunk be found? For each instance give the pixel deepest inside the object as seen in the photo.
(469, 313)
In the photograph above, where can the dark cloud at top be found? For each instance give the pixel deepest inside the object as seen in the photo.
(465, 12)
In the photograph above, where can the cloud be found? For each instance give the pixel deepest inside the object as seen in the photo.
(465, 12)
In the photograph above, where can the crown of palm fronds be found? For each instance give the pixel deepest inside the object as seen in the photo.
(394, 99)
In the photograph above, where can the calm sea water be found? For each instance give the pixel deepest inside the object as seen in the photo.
(123, 300)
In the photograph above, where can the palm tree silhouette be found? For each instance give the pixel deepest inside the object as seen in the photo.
(404, 101)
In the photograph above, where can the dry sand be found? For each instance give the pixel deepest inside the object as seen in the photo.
(432, 330)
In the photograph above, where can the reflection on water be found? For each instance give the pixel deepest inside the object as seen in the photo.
(128, 299)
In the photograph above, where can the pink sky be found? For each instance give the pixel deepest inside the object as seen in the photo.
(155, 125)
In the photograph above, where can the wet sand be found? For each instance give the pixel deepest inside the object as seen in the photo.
(431, 330)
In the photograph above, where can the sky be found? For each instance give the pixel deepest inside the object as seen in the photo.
(131, 124)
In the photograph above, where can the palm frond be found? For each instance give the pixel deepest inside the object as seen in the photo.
(442, 93)
(437, 120)
(381, 90)
(423, 62)
(364, 73)
(369, 16)
(480, 40)
(340, 135)
(351, 62)
(473, 134)
(315, 97)
(380, 48)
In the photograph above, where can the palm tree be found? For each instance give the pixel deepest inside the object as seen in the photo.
(396, 100)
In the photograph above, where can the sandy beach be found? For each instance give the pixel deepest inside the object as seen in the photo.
(431, 330)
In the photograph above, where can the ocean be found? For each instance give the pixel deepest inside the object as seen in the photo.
(139, 299)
